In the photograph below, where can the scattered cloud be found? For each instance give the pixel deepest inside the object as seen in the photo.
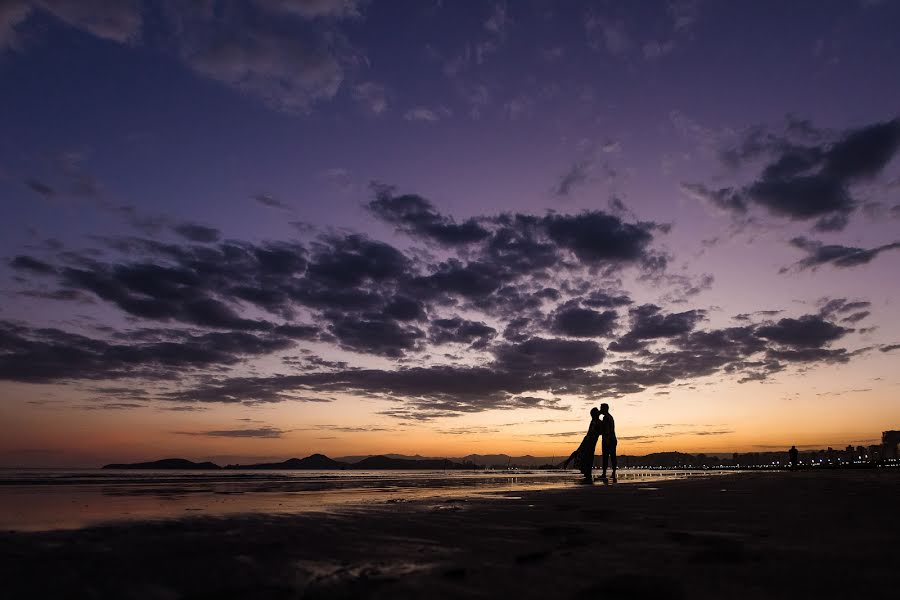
(608, 34)
(835, 255)
(576, 176)
(197, 233)
(271, 201)
(260, 433)
(288, 68)
(804, 181)
(423, 113)
(371, 97)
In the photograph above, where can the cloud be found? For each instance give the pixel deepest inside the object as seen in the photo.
(312, 9)
(856, 317)
(475, 280)
(596, 237)
(838, 306)
(371, 97)
(535, 402)
(539, 365)
(552, 54)
(443, 388)
(197, 233)
(803, 182)
(186, 408)
(648, 322)
(538, 355)
(551, 283)
(461, 331)
(260, 432)
(118, 21)
(40, 188)
(610, 34)
(811, 331)
(353, 429)
(112, 406)
(287, 72)
(416, 215)
(422, 113)
(476, 95)
(723, 199)
(289, 54)
(576, 176)
(499, 21)
(519, 106)
(601, 299)
(575, 321)
(655, 49)
(803, 355)
(270, 201)
(372, 334)
(12, 14)
(819, 254)
(44, 355)
(28, 263)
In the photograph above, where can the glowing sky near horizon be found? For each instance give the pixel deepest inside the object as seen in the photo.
(240, 230)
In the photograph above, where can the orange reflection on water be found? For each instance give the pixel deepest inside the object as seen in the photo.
(32, 507)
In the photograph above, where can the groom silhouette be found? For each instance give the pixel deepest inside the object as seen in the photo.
(608, 445)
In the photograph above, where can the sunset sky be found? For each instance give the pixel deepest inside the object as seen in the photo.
(252, 230)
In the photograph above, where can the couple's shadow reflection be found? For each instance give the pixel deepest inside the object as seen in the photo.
(595, 480)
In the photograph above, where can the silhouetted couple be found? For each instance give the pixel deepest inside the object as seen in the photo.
(583, 457)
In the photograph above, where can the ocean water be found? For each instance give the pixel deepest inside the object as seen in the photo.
(44, 499)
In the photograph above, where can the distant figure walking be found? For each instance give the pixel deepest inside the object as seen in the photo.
(794, 454)
(608, 446)
(584, 455)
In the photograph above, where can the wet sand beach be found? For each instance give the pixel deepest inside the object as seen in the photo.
(751, 535)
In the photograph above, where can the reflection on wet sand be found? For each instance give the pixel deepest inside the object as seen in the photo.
(41, 501)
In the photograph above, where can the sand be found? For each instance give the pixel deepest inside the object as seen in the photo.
(817, 535)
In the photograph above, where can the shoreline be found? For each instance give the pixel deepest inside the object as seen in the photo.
(747, 535)
(82, 501)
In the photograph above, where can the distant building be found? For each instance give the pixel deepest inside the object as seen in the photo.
(889, 443)
(874, 452)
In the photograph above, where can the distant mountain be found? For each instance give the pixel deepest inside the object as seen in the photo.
(357, 458)
(316, 462)
(167, 463)
(386, 462)
(481, 460)
(321, 462)
(504, 460)
(351, 459)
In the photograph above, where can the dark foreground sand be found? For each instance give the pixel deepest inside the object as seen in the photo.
(767, 535)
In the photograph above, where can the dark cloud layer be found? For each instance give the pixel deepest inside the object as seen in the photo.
(803, 182)
(550, 283)
(538, 355)
(560, 367)
(522, 243)
(811, 331)
(43, 355)
(575, 321)
(416, 215)
(461, 331)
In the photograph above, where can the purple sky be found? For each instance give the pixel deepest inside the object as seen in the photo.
(270, 227)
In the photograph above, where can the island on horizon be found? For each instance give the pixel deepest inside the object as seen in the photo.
(858, 457)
